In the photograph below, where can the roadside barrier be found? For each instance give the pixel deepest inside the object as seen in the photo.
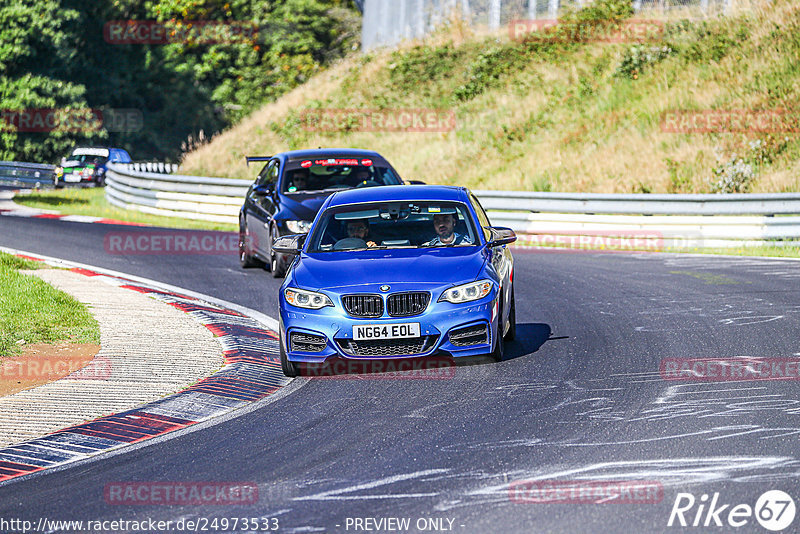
(15, 173)
(558, 219)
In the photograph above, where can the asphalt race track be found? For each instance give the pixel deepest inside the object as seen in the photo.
(579, 397)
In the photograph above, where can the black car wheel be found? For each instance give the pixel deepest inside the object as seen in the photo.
(276, 264)
(289, 368)
(245, 258)
(58, 184)
(499, 345)
(512, 319)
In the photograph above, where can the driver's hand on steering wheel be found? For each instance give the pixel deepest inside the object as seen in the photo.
(372, 244)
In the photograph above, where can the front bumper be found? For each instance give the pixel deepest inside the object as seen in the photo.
(458, 330)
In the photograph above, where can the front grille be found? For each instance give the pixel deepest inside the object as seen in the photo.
(307, 342)
(363, 305)
(387, 347)
(471, 335)
(407, 304)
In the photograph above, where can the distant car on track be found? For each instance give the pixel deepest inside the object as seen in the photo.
(289, 190)
(87, 165)
(395, 272)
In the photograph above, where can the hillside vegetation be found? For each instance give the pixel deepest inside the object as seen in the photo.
(559, 116)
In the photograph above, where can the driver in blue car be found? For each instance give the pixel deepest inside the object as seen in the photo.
(299, 180)
(445, 224)
(359, 229)
(362, 176)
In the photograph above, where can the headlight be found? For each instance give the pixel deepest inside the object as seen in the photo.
(467, 292)
(88, 172)
(306, 299)
(298, 227)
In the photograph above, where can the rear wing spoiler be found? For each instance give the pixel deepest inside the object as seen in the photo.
(257, 158)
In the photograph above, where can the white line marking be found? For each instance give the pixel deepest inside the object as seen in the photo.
(337, 493)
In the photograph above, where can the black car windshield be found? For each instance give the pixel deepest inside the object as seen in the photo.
(314, 175)
(394, 225)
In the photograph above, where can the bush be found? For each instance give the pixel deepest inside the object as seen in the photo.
(638, 57)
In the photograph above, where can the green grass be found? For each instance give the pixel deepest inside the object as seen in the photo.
(92, 201)
(32, 311)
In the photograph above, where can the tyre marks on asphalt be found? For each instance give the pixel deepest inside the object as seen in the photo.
(251, 372)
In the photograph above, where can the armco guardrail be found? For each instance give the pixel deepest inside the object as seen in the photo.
(680, 221)
(175, 195)
(20, 174)
(644, 204)
(673, 220)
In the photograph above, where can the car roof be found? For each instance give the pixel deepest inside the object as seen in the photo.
(389, 193)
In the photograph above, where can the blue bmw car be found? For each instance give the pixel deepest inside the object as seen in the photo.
(396, 272)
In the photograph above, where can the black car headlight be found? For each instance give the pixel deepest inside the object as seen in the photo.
(306, 299)
(467, 292)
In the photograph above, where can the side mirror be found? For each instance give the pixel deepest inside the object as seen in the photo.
(415, 182)
(289, 244)
(501, 236)
(263, 190)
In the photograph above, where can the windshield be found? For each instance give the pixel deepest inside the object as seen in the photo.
(311, 176)
(85, 159)
(393, 225)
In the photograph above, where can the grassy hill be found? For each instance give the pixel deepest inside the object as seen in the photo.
(558, 115)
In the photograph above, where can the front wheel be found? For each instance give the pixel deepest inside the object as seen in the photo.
(289, 368)
(276, 264)
(246, 260)
(512, 319)
(499, 345)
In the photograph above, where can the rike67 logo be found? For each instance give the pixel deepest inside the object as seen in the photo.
(774, 510)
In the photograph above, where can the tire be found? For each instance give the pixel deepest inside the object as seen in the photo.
(499, 345)
(512, 319)
(57, 183)
(276, 265)
(246, 260)
(289, 368)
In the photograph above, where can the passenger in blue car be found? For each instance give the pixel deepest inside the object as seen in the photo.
(445, 224)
